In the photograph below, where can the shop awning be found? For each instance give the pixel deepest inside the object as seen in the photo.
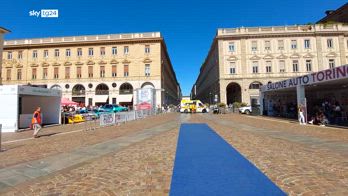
(125, 98)
(101, 98)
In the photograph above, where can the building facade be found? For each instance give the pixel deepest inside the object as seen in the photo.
(2, 32)
(96, 69)
(240, 60)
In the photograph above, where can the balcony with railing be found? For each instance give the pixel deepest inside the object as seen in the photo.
(90, 38)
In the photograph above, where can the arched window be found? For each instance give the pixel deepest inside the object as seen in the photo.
(255, 85)
(102, 89)
(147, 85)
(126, 88)
(56, 87)
(78, 89)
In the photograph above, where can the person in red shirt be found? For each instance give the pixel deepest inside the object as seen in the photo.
(36, 121)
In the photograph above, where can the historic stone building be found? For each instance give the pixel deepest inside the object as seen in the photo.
(94, 69)
(2, 32)
(240, 60)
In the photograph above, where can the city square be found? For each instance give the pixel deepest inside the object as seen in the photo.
(307, 160)
(174, 98)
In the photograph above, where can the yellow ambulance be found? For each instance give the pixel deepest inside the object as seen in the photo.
(192, 106)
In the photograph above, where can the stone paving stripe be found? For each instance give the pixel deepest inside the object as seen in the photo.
(313, 142)
(14, 175)
(206, 164)
(31, 138)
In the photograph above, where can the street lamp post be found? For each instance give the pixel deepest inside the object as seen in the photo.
(209, 98)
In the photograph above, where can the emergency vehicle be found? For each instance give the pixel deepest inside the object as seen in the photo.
(192, 106)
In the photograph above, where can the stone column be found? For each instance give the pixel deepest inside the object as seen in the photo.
(342, 49)
(319, 53)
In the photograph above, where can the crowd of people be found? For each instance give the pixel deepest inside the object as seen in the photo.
(329, 112)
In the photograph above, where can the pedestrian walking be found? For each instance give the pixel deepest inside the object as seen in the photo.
(36, 121)
(301, 117)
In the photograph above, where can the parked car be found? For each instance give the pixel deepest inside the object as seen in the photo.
(89, 114)
(112, 108)
(245, 110)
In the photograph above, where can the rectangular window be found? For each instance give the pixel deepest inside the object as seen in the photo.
(254, 46)
(231, 47)
(8, 74)
(68, 52)
(56, 73)
(79, 52)
(56, 52)
(331, 63)
(90, 51)
(34, 54)
(44, 73)
(102, 51)
(67, 72)
(45, 54)
(267, 45)
(126, 50)
(147, 49)
(295, 65)
(19, 74)
(280, 44)
(9, 55)
(329, 43)
(293, 44)
(232, 69)
(309, 65)
(307, 43)
(33, 73)
(20, 54)
(281, 66)
(268, 66)
(102, 71)
(255, 67)
(114, 50)
(90, 71)
(126, 71)
(78, 72)
(147, 69)
(113, 70)
(114, 100)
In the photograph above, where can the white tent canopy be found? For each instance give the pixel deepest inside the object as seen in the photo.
(20, 102)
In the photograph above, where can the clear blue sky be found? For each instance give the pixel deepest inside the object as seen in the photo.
(187, 26)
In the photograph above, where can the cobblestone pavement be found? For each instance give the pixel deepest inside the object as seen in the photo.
(302, 160)
(141, 169)
(297, 165)
(33, 149)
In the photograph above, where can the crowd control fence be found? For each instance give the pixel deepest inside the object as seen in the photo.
(110, 119)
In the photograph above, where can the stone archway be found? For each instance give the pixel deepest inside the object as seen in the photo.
(78, 93)
(102, 89)
(126, 88)
(147, 85)
(233, 93)
(56, 87)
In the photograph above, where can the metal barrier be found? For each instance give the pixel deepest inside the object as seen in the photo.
(109, 119)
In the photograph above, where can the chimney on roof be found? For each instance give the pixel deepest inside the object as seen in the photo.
(328, 12)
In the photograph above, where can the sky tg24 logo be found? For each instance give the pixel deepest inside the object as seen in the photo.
(45, 13)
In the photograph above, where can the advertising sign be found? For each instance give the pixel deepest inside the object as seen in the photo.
(313, 78)
(107, 119)
(146, 99)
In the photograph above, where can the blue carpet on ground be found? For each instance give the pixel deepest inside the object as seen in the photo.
(205, 164)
